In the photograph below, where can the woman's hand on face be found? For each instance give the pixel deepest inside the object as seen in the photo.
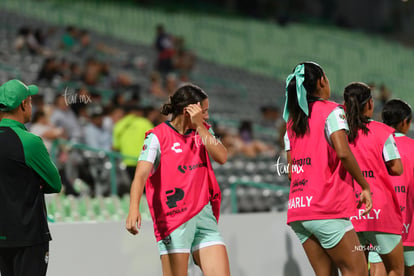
(196, 113)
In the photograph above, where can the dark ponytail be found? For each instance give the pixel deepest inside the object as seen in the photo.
(356, 96)
(395, 112)
(313, 72)
(184, 96)
(167, 108)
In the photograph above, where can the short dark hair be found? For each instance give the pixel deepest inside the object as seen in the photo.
(396, 111)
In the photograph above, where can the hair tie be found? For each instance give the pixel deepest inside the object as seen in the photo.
(299, 74)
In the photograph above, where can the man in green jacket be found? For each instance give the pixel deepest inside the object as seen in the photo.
(26, 174)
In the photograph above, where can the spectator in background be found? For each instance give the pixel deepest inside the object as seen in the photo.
(243, 142)
(78, 100)
(381, 95)
(118, 99)
(43, 128)
(129, 134)
(272, 119)
(246, 131)
(183, 79)
(384, 94)
(156, 87)
(38, 104)
(164, 44)
(171, 83)
(63, 116)
(134, 92)
(85, 45)
(93, 169)
(74, 163)
(92, 72)
(96, 136)
(75, 72)
(21, 37)
(121, 80)
(89, 48)
(49, 70)
(184, 59)
(35, 45)
(270, 116)
(64, 70)
(154, 115)
(40, 37)
(32, 41)
(231, 141)
(70, 38)
(112, 114)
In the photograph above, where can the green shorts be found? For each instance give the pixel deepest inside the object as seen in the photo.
(199, 232)
(329, 232)
(409, 255)
(381, 242)
(374, 257)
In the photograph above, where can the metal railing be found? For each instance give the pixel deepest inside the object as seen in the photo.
(259, 185)
(112, 155)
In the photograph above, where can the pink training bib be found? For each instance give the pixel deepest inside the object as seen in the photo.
(403, 187)
(183, 183)
(320, 186)
(385, 215)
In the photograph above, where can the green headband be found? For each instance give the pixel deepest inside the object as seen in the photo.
(299, 74)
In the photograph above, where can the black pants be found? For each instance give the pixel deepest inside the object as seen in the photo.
(24, 261)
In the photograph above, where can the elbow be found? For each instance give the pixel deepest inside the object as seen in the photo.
(220, 156)
(343, 156)
(51, 190)
(221, 160)
(56, 190)
(396, 171)
(395, 167)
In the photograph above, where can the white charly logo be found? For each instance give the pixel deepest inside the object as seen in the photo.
(176, 148)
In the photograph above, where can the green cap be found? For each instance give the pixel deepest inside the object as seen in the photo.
(13, 92)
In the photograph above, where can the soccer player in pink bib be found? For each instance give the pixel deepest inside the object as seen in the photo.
(374, 148)
(182, 192)
(321, 192)
(398, 115)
